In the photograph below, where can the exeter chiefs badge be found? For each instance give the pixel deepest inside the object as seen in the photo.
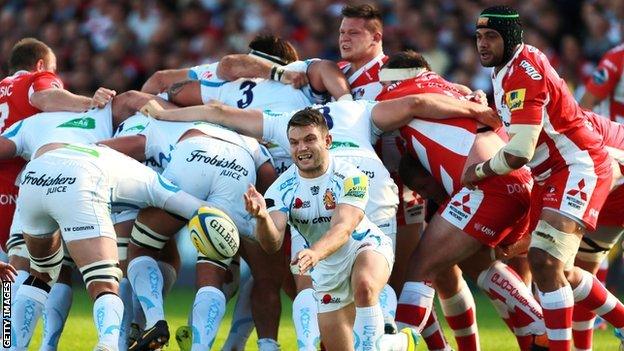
(329, 199)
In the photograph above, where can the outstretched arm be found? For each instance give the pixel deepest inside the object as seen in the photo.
(232, 67)
(162, 80)
(270, 226)
(392, 114)
(56, 99)
(247, 122)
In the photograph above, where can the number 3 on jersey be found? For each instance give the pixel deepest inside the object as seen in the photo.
(328, 118)
(246, 88)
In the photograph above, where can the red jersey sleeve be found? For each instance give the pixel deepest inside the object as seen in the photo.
(607, 74)
(525, 96)
(46, 80)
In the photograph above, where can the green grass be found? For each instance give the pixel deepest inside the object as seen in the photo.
(80, 333)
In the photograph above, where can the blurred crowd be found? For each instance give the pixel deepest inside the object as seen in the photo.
(119, 43)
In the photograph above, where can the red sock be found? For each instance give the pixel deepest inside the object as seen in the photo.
(459, 312)
(432, 333)
(582, 328)
(557, 308)
(592, 295)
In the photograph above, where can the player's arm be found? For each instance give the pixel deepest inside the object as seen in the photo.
(162, 80)
(325, 76)
(345, 219)
(589, 100)
(245, 121)
(131, 145)
(270, 226)
(392, 114)
(265, 176)
(58, 99)
(7, 148)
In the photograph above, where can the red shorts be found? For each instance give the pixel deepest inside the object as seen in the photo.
(576, 191)
(8, 199)
(612, 213)
(496, 210)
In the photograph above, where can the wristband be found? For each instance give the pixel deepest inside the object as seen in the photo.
(277, 73)
(479, 170)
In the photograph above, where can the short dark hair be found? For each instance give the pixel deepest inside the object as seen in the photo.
(407, 59)
(274, 46)
(308, 117)
(26, 53)
(374, 21)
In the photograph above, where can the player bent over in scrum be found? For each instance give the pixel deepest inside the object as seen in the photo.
(72, 187)
(349, 257)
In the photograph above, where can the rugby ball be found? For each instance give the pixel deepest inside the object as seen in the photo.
(214, 233)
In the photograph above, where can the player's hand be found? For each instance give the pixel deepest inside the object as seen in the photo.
(294, 78)
(7, 272)
(306, 259)
(502, 252)
(151, 108)
(478, 96)
(489, 117)
(254, 202)
(470, 177)
(102, 97)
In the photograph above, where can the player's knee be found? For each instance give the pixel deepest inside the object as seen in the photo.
(101, 276)
(364, 290)
(49, 265)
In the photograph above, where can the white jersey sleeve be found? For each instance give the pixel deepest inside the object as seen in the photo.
(258, 152)
(274, 128)
(15, 133)
(210, 83)
(276, 194)
(133, 125)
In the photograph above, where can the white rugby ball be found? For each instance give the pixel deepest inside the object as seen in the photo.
(214, 233)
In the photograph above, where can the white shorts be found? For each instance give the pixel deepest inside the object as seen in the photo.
(72, 190)
(383, 198)
(216, 171)
(124, 216)
(332, 282)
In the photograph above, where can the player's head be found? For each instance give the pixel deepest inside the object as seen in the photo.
(274, 49)
(360, 33)
(499, 31)
(30, 54)
(310, 141)
(418, 179)
(403, 65)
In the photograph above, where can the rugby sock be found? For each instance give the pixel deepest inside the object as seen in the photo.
(388, 302)
(169, 276)
(414, 305)
(125, 294)
(208, 310)
(138, 317)
(55, 314)
(305, 309)
(557, 308)
(242, 322)
(108, 311)
(368, 327)
(27, 308)
(147, 283)
(459, 311)
(21, 276)
(523, 313)
(594, 297)
(582, 328)
(432, 333)
(267, 344)
(602, 271)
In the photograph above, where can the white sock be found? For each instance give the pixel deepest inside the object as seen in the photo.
(461, 307)
(414, 305)
(147, 283)
(169, 276)
(393, 342)
(27, 308)
(138, 317)
(125, 294)
(55, 314)
(208, 310)
(242, 322)
(108, 311)
(304, 310)
(267, 344)
(21, 276)
(368, 327)
(388, 302)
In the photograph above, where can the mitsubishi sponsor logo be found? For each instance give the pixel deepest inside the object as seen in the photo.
(577, 198)
(465, 199)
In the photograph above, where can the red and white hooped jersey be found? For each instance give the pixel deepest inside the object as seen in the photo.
(527, 90)
(15, 92)
(606, 83)
(364, 82)
(442, 146)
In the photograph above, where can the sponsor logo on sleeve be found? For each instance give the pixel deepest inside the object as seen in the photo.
(515, 99)
(83, 123)
(600, 76)
(530, 70)
(356, 187)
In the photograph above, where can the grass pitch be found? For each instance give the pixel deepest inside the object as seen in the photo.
(80, 333)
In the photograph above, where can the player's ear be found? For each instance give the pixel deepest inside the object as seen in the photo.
(377, 37)
(40, 65)
(328, 141)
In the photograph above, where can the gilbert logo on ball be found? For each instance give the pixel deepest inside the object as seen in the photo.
(213, 233)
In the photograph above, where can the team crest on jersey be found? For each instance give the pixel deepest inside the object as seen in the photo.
(83, 123)
(329, 199)
(314, 190)
(515, 99)
(358, 93)
(600, 76)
